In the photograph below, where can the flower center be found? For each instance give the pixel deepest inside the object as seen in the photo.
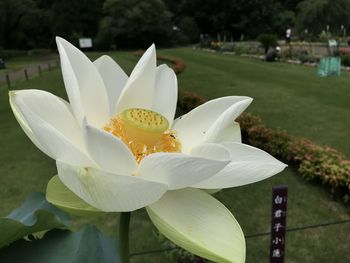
(144, 132)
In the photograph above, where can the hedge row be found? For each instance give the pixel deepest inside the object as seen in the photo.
(312, 161)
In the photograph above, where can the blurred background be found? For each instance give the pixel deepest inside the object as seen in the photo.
(112, 24)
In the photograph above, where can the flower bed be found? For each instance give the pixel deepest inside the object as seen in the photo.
(305, 60)
(313, 162)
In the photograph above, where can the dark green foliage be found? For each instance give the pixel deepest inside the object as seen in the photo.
(75, 19)
(283, 19)
(315, 15)
(135, 23)
(28, 24)
(234, 18)
(17, 17)
(290, 4)
(267, 41)
(345, 60)
(189, 29)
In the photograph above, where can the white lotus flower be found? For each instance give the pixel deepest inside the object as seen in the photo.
(117, 148)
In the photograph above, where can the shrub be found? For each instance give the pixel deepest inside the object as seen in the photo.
(325, 36)
(188, 100)
(345, 60)
(304, 57)
(313, 162)
(267, 41)
(240, 49)
(177, 64)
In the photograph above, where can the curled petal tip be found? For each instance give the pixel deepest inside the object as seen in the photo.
(248, 100)
(151, 49)
(59, 39)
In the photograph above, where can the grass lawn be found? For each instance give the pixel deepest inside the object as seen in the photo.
(286, 96)
(16, 63)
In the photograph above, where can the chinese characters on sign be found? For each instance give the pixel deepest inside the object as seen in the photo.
(278, 223)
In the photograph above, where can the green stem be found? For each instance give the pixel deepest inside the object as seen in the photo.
(124, 222)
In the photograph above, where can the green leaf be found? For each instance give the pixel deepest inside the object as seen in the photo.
(59, 195)
(35, 215)
(86, 246)
(197, 222)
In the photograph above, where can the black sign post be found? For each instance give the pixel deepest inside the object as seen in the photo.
(278, 223)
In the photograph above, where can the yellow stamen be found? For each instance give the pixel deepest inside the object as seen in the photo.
(144, 132)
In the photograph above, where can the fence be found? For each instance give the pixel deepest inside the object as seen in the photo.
(30, 71)
(256, 235)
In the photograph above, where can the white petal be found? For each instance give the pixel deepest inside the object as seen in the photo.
(110, 153)
(84, 85)
(51, 125)
(50, 109)
(205, 123)
(225, 121)
(232, 133)
(200, 224)
(165, 94)
(22, 122)
(114, 79)
(178, 170)
(139, 89)
(211, 151)
(109, 192)
(248, 165)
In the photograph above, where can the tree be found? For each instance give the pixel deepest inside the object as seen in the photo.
(13, 15)
(27, 24)
(315, 15)
(235, 17)
(210, 15)
(267, 41)
(74, 19)
(290, 5)
(134, 24)
(255, 17)
(188, 27)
